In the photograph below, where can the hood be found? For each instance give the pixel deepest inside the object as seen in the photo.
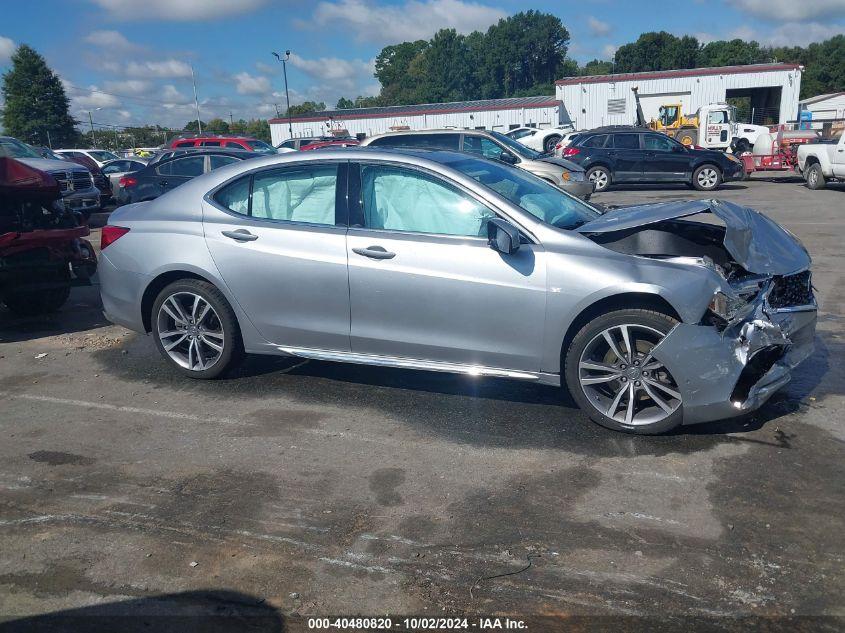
(562, 162)
(51, 165)
(757, 243)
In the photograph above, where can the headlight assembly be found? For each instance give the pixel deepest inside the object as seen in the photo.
(724, 306)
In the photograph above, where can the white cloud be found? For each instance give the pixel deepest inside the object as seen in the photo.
(170, 95)
(267, 69)
(165, 69)
(89, 98)
(176, 10)
(791, 10)
(129, 87)
(247, 84)
(347, 76)
(609, 51)
(7, 48)
(110, 39)
(412, 20)
(789, 34)
(597, 27)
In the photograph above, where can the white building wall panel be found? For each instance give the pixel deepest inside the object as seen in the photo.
(833, 108)
(500, 120)
(586, 105)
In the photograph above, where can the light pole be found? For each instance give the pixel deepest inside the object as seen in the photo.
(91, 121)
(287, 97)
(196, 101)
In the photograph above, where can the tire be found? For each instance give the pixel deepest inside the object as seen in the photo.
(195, 342)
(815, 177)
(550, 142)
(600, 400)
(687, 136)
(600, 176)
(707, 178)
(35, 303)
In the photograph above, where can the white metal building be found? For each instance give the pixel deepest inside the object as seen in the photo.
(492, 114)
(770, 90)
(825, 107)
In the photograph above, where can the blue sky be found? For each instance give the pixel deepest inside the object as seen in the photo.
(132, 58)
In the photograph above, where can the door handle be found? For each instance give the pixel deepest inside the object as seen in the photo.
(240, 235)
(374, 252)
(162, 183)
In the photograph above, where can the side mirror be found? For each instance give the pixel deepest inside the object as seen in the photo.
(507, 157)
(502, 236)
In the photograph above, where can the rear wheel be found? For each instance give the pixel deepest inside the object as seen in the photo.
(600, 177)
(612, 375)
(550, 142)
(815, 177)
(687, 136)
(706, 178)
(195, 329)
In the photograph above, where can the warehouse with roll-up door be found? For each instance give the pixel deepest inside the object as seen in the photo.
(765, 94)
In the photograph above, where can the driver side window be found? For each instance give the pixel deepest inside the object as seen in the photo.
(482, 146)
(397, 199)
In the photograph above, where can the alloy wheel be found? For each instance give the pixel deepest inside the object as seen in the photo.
(190, 331)
(708, 178)
(600, 178)
(623, 381)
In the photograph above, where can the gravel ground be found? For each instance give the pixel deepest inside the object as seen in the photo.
(316, 488)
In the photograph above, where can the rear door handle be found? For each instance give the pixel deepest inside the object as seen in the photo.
(240, 235)
(374, 252)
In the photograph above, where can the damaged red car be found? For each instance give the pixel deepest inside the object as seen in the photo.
(43, 250)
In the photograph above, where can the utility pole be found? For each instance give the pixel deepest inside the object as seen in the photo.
(231, 120)
(287, 96)
(93, 137)
(196, 101)
(49, 142)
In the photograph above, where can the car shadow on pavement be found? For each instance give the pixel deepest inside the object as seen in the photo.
(81, 313)
(676, 187)
(201, 611)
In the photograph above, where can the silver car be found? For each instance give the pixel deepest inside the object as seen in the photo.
(447, 262)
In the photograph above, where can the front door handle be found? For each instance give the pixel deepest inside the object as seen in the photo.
(374, 252)
(241, 235)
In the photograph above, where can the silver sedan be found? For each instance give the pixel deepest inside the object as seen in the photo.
(442, 261)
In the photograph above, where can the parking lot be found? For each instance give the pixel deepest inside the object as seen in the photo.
(315, 488)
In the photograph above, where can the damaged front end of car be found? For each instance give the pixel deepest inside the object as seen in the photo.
(759, 324)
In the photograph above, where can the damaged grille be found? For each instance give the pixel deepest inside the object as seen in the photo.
(791, 290)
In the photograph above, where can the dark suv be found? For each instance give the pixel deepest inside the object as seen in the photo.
(621, 154)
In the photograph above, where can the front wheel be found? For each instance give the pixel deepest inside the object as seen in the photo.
(706, 178)
(600, 177)
(612, 375)
(815, 177)
(195, 329)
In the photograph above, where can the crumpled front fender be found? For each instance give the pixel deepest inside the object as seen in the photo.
(724, 374)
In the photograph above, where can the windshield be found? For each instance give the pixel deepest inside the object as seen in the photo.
(537, 197)
(519, 148)
(261, 147)
(14, 148)
(102, 155)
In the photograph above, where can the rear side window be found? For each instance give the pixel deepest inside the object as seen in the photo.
(599, 140)
(626, 141)
(234, 145)
(185, 144)
(211, 143)
(296, 194)
(422, 141)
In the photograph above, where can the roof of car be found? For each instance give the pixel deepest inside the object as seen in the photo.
(618, 128)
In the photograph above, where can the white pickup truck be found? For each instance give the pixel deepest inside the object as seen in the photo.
(822, 161)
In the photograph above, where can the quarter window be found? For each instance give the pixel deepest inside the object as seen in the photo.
(235, 196)
(398, 199)
(297, 194)
(598, 140)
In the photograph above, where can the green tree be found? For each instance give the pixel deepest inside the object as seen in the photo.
(440, 71)
(657, 51)
(307, 106)
(37, 108)
(193, 128)
(392, 70)
(344, 104)
(597, 67)
(730, 53)
(216, 126)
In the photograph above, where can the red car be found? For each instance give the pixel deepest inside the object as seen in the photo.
(228, 142)
(42, 247)
(335, 142)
